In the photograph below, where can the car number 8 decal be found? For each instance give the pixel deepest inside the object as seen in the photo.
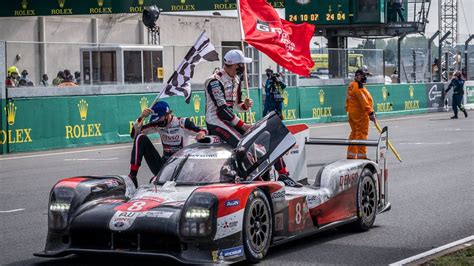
(298, 213)
(136, 206)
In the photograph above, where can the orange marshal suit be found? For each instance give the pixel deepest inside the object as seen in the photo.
(359, 104)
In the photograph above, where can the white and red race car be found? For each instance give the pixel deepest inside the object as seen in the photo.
(214, 204)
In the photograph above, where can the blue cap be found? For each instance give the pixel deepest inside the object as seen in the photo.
(159, 110)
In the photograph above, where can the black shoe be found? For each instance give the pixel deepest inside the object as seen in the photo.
(454, 117)
(288, 181)
(465, 113)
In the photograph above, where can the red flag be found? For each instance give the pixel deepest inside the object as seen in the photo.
(284, 42)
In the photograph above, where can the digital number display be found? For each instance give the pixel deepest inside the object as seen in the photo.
(317, 12)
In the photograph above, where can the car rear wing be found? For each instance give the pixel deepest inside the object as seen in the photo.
(380, 158)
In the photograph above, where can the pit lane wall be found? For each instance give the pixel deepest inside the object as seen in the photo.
(39, 123)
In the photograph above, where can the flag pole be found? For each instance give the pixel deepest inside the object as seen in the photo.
(242, 36)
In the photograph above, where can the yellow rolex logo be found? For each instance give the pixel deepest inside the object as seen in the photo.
(143, 103)
(321, 97)
(197, 103)
(24, 4)
(412, 91)
(285, 98)
(183, 2)
(61, 3)
(82, 106)
(140, 2)
(100, 3)
(11, 112)
(384, 93)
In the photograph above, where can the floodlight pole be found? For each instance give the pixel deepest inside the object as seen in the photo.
(440, 55)
(466, 53)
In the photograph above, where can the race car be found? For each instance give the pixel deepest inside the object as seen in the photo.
(212, 203)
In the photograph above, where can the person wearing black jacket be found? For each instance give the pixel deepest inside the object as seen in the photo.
(457, 83)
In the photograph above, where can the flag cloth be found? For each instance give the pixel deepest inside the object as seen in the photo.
(284, 42)
(180, 82)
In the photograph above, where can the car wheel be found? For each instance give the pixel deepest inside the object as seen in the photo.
(257, 231)
(366, 202)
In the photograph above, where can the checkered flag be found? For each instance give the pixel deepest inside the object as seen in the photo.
(179, 82)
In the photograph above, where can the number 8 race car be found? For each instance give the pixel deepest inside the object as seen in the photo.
(214, 204)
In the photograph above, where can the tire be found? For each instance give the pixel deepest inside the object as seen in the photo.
(366, 202)
(258, 227)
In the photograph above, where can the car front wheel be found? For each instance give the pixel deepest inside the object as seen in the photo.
(257, 231)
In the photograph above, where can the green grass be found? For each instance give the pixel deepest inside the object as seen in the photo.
(461, 257)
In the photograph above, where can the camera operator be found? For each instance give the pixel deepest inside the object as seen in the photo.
(273, 93)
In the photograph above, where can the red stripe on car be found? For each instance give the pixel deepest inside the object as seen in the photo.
(70, 182)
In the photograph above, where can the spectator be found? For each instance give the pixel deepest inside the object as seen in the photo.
(12, 77)
(68, 81)
(394, 76)
(24, 78)
(77, 76)
(58, 79)
(44, 80)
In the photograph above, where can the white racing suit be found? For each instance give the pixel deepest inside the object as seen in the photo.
(223, 94)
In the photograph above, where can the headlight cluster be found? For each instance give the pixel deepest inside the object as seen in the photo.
(59, 206)
(199, 216)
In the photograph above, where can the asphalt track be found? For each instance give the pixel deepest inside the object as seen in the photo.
(431, 192)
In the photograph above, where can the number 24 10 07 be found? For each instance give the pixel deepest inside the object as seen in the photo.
(303, 17)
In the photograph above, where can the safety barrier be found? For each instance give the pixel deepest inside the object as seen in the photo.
(38, 123)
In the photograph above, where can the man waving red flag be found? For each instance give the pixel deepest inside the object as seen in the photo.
(284, 42)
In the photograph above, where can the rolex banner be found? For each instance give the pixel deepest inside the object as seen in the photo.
(288, 44)
(91, 7)
(180, 81)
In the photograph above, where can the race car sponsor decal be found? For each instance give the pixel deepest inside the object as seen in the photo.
(229, 224)
(122, 220)
(278, 199)
(279, 222)
(232, 203)
(104, 184)
(156, 214)
(230, 253)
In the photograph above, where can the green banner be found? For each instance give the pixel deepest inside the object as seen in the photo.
(323, 104)
(291, 104)
(92, 7)
(470, 94)
(400, 98)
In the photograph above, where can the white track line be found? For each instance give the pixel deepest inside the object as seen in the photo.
(130, 146)
(91, 159)
(15, 210)
(433, 251)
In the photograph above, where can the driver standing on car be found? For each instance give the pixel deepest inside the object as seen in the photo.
(360, 111)
(223, 94)
(172, 132)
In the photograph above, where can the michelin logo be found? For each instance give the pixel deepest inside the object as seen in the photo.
(231, 253)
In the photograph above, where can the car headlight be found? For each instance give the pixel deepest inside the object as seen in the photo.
(198, 216)
(59, 207)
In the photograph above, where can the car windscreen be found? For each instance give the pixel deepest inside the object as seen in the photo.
(195, 167)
